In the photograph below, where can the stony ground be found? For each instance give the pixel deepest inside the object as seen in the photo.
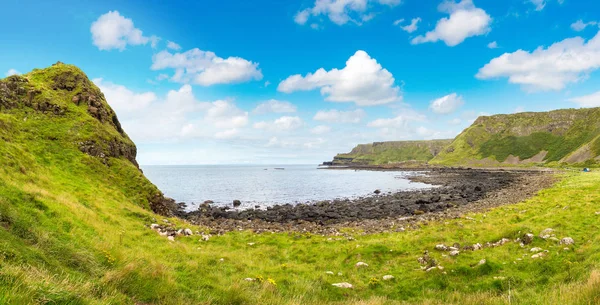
(457, 191)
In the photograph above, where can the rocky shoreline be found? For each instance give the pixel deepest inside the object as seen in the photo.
(458, 191)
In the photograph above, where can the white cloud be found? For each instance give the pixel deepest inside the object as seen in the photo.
(539, 4)
(465, 21)
(12, 72)
(363, 81)
(173, 46)
(274, 106)
(337, 116)
(267, 83)
(592, 100)
(551, 68)
(113, 31)
(341, 12)
(398, 121)
(178, 116)
(284, 123)
(579, 25)
(492, 45)
(205, 68)
(413, 26)
(321, 129)
(447, 104)
(123, 100)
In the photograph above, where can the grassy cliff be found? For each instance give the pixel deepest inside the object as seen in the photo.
(75, 211)
(561, 136)
(379, 153)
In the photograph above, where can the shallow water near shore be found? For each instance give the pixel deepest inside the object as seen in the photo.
(267, 185)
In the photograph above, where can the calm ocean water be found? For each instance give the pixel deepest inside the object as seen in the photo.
(264, 185)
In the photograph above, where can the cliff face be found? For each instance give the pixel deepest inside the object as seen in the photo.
(379, 153)
(55, 115)
(560, 136)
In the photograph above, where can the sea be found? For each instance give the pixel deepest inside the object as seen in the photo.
(267, 185)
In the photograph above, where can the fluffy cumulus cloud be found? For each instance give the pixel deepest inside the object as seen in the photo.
(551, 68)
(284, 123)
(12, 72)
(205, 68)
(123, 100)
(178, 116)
(447, 104)
(341, 12)
(337, 116)
(492, 45)
(274, 106)
(113, 31)
(465, 21)
(363, 81)
(592, 100)
(409, 28)
(579, 25)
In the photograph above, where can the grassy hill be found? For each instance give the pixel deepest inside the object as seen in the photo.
(392, 152)
(561, 136)
(75, 213)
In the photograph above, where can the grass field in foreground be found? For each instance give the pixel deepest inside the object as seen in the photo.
(60, 246)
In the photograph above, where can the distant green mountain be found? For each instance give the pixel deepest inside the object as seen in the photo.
(561, 136)
(379, 153)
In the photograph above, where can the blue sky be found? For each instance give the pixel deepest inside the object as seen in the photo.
(264, 81)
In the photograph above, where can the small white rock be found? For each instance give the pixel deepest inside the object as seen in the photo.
(188, 232)
(205, 237)
(388, 277)
(535, 250)
(362, 264)
(154, 226)
(329, 272)
(429, 269)
(545, 232)
(340, 274)
(477, 246)
(441, 247)
(171, 238)
(251, 244)
(249, 279)
(567, 241)
(482, 262)
(454, 253)
(342, 285)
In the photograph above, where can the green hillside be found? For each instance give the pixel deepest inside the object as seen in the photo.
(75, 216)
(392, 152)
(561, 136)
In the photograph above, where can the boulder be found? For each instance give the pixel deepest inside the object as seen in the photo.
(527, 238)
(236, 203)
(454, 253)
(377, 192)
(188, 232)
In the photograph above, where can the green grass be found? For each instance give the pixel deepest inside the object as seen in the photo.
(524, 135)
(73, 230)
(394, 152)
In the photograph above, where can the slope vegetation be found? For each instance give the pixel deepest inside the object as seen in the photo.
(379, 153)
(560, 136)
